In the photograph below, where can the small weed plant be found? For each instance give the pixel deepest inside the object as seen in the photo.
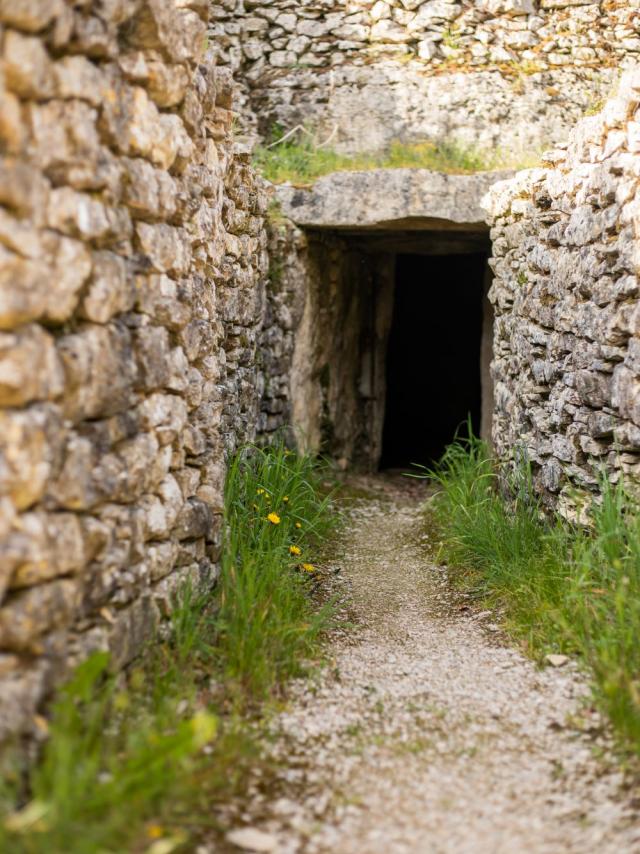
(137, 762)
(563, 587)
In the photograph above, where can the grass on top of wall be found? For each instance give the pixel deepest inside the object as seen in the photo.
(562, 587)
(137, 762)
(301, 161)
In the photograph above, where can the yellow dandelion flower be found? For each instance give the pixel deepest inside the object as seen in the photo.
(260, 491)
(155, 831)
(295, 550)
(286, 499)
(273, 518)
(298, 524)
(308, 567)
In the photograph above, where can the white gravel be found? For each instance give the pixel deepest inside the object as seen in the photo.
(427, 734)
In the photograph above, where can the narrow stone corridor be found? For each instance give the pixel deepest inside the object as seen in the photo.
(426, 732)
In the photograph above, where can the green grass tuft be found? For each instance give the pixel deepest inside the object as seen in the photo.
(563, 588)
(137, 762)
(267, 619)
(301, 161)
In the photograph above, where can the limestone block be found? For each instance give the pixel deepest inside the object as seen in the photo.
(27, 451)
(23, 189)
(194, 440)
(13, 128)
(100, 371)
(174, 29)
(80, 215)
(160, 298)
(352, 32)
(163, 414)
(282, 58)
(259, 26)
(298, 44)
(509, 7)
(167, 84)
(27, 615)
(162, 519)
(92, 36)
(253, 49)
(30, 15)
(149, 193)
(76, 77)
(388, 31)
(66, 143)
(167, 248)
(70, 268)
(135, 126)
(160, 365)
(161, 558)
(29, 367)
(594, 388)
(195, 520)
(74, 488)
(45, 546)
(314, 29)
(27, 67)
(134, 467)
(625, 393)
(22, 688)
(111, 289)
(134, 626)
(188, 478)
(20, 236)
(627, 436)
(427, 49)
(171, 142)
(583, 227)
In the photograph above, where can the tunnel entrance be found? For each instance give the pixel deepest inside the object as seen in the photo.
(433, 361)
(394, 347)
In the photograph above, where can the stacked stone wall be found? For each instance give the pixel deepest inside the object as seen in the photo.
(133, 270)
(439, 35)
(566, 293)
(513, 74)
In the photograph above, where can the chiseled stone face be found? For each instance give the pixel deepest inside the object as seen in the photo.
(566, 348)
(132, 300)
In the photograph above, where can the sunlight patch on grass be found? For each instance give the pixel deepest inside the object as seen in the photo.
(301, 160)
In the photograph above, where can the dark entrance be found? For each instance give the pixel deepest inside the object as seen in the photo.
(433, 356)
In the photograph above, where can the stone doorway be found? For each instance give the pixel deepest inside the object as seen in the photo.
(394, 347)
(433, 356)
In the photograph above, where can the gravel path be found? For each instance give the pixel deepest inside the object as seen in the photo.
(426, 734)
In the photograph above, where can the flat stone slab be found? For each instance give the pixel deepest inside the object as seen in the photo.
(390, 199)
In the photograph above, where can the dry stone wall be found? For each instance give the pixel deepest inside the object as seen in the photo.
(566, 293)
(133, 296)
(510, 73)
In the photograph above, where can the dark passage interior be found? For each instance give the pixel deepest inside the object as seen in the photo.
(433, 356)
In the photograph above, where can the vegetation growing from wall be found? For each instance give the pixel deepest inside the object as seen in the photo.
(301, 160)
(138, 762)
(563, 588)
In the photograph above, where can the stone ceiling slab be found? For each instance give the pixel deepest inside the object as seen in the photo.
(383, 199)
